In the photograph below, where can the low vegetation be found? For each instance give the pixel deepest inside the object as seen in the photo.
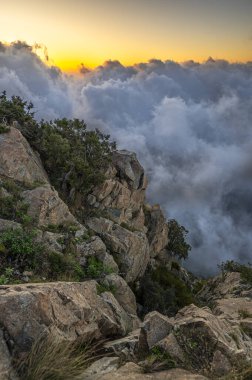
(157, 360)
(20, 251)
(162, 290)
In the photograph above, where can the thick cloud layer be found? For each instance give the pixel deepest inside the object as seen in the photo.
(190, 124)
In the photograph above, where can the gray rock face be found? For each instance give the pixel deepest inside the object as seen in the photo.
(122, 195)
(129, 168)
(72, 309)
(96, 248)
(46, 207)
(129, 249)
(122, 293)
(156, 327)
(18, 161)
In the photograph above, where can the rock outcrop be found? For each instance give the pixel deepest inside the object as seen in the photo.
(73, 309)
(18, 161)
(122, 195)
(121, 236)
(46, 207)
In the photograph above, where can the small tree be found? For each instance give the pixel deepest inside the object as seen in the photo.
(177, 244)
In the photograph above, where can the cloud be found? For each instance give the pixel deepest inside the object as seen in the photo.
(189, 123)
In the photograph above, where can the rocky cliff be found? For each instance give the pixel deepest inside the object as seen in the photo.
(75, 278)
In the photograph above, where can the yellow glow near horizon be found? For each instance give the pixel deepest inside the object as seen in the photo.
(90, 32)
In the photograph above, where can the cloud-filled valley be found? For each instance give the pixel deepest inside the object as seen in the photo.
(190, 125)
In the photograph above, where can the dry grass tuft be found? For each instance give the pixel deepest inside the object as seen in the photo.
(52, 358)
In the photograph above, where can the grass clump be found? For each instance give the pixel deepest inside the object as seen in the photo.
(52, 358)
(244, 314)
(158, 360)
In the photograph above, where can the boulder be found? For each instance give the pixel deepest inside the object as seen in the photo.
(170, 345)
(18, 161)
(126, 348)
(96, 248)
(72, 309)
(122, 292)
(46, 207)
(228, 285)
(204, 338)
(129, 249)
(156, 327)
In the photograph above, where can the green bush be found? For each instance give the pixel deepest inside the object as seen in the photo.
(6, 277)
(163, 291)
(63, 267)
(19, 249)
(96, 269)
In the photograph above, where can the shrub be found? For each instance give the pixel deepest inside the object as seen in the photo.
(6, 277)
(74, 157)
(20, 248)
(163, 291)
(64, 267)
(20, 251)
(96, 269)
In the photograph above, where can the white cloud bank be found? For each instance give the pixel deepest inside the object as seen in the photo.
(190, 124)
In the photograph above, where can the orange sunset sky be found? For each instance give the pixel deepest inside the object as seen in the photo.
(92, 31)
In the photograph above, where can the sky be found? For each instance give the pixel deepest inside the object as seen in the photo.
(93, 31)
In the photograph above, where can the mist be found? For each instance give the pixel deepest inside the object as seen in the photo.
(190, 125)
